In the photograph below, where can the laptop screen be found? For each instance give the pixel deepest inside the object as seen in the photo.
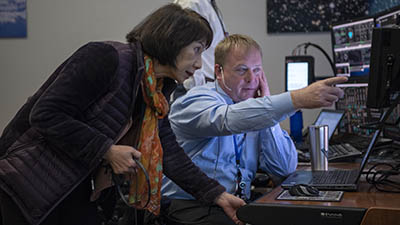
(330, 118)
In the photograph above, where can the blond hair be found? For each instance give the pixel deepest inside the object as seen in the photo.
(233, 41)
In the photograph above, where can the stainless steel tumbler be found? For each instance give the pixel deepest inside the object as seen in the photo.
(319, 147)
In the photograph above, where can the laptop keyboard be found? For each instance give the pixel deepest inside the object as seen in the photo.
(331, 177)
(336, 153)
(344, 150)
(358, 141)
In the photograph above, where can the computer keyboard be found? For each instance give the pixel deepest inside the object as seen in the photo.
(359, 142)
(336, 152)
(332, 177)
(341, 151)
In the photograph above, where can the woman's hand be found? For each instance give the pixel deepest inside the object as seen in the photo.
(121, 158)
(230, 204)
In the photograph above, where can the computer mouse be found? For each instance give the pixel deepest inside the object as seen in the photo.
(303, 190)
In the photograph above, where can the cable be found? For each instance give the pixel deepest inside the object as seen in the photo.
(118, 183)
(325, 54)
(382, 179)
(306, 45)
(297, 48)
(223, 79)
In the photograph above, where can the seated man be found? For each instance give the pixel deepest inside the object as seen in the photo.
(230, 128)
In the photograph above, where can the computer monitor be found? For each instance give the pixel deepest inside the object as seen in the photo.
(384, 79)
(388, 18)
(299, 72)
(351, 45)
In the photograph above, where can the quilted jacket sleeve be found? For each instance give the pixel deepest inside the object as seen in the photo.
(180, 169)
(59, 113)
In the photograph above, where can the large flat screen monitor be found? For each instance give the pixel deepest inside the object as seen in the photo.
(384, 79)
(351, 44)
(388, 18)
(385, 58)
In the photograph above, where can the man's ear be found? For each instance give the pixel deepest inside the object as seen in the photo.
(217, 71)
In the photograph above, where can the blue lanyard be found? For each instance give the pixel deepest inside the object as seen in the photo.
(238, 152)
(239, 184)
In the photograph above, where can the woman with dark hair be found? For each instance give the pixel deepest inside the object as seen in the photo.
(107, 104)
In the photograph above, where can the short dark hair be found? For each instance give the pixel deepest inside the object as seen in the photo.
(166, 31)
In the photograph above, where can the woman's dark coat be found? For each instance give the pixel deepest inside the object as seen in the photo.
(61, 133)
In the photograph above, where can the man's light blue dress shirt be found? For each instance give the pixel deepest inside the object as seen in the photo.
(206, 120)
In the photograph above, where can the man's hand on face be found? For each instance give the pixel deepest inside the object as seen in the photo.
(263, 89)
(322, 93)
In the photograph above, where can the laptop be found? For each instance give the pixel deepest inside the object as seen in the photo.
(328, 117)
(345, 180)
(331, 118)
(336, 152)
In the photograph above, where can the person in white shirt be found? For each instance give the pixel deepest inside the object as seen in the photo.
(209, 10)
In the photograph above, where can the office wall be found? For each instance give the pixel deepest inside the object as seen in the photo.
(56, 28)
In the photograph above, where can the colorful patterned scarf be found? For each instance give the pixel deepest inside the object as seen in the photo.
(149, 143)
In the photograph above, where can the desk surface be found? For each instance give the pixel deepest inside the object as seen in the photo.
(365, 198)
